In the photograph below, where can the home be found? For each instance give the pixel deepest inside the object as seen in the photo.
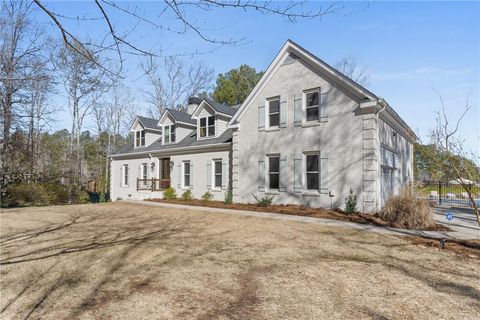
(306, 135)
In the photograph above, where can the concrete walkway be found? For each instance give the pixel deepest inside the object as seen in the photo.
(321, 221)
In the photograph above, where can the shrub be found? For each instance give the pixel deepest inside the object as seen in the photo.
(228, 196)
(187, 195)
(101, 197)
(18, 195)
(83, 197)
(169, 194)
(351, 203)
(264, 201)
(57, 193)
(408, 211)
(207, 196)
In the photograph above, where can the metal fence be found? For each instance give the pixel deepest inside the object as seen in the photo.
(446, 193)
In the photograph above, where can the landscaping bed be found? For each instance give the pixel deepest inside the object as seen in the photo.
(335, 214)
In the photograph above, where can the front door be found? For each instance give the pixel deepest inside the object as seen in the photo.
(164, 173)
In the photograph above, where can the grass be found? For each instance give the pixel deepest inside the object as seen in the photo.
(129, 261)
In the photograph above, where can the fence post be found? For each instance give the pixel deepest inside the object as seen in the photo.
(439, 192)
(153, 184)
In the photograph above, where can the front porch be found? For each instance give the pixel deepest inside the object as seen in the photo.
(153, 184)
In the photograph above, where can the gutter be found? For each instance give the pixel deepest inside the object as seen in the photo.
(216, 145)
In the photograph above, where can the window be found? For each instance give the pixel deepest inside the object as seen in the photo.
(169, 133)
(125, 175)
(140, 138)
(217, 174)
(389, 158)
(312, 105)
(186, 174)
(312, 171)
(273, 172)
(274, 112)
(207, 126)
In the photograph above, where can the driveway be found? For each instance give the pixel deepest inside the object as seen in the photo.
(133, 261)
(464, 222)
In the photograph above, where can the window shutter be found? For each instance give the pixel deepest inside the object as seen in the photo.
(261, 117)
(298, 112)
(283, 174)
(209, 175)
(283, 114)
(121, 176)
(297, 164)
(323, 107)
(191, 175)
(179, 175)
(261, 175)
(323, 172)
(224, 175)
(140, 173)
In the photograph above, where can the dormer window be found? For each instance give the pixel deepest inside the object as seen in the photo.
(207, 127)
(140, 138)
(169, 133)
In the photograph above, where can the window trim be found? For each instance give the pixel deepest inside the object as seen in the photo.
(125, 175)
(267, 175)
(164, 136)
(304, 105)
(184, 186)
(305, 172)
(207, 127)
(267, 112)
(214, 174)
(139, 138)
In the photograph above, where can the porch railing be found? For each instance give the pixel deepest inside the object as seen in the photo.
(153, 184)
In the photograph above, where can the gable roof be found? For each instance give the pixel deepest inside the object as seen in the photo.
(189, 142)
(179, 116)
(147, 123)
(217, 107)
(331, 73)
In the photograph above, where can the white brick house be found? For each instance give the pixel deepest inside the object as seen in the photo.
(306, 134)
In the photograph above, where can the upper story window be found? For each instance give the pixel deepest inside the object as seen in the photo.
(140, 138)
(273, 112)
(312, 105)
(207, 127)
(169, 133)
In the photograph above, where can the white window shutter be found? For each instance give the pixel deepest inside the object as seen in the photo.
(140, 173)
(297, 110)
(224, 175)
(261, 175)
(324, 172)
(261, 117)
(298, 174)
(209, 175)
(283, 114)
(283, 174)
(179, 175)
(122, 178)
(191, 175)
(323, 107)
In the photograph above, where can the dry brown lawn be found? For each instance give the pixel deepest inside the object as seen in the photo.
(127, 261)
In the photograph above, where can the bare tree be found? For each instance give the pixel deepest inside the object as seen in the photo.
(84, 85)
(21, 57)
(448, 140)
(350, 67)
(173, 82)
(182, 19)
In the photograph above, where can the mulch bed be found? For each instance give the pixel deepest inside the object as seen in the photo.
(465, 248)
(335, 214)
